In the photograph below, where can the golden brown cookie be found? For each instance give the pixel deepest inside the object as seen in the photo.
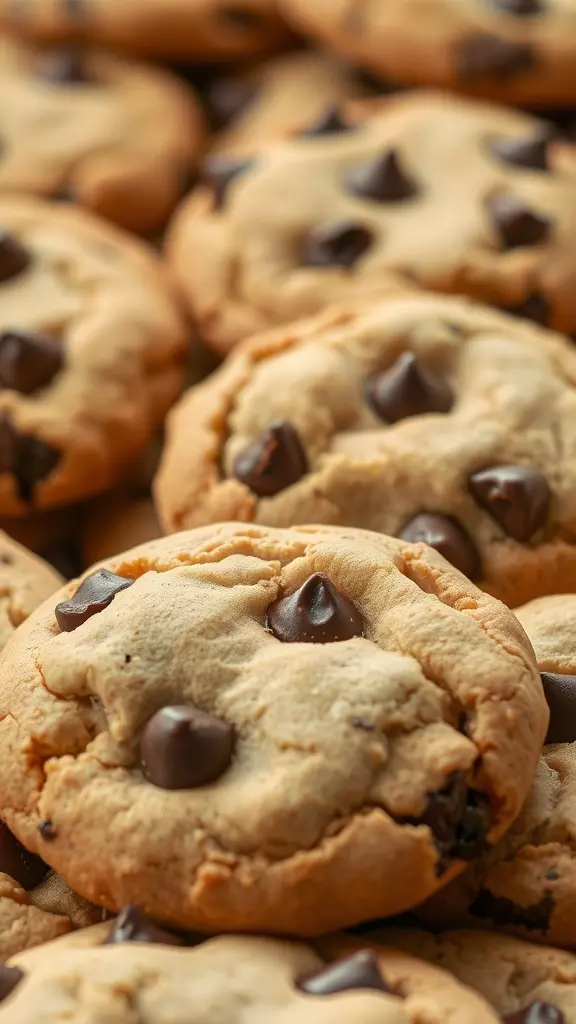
(25, 582)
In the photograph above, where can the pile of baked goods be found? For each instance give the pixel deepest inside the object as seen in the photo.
(288, 511)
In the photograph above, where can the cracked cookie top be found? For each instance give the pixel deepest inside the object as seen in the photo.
(255, 729)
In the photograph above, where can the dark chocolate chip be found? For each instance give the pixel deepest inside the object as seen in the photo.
(536, 1013)
(560, 693)
(227, 98)
(273, 462)
(460, 819)
(340, 243)
(517, 497)
(552, 875)
(10, 977)
(15, 860)
(47, 830)
(407, 389)
(94, 594)
(534, 307)
(34, 460)
(133, 926)
(14, 258)
(501, 911)
(183, 747)
(28, 361)
(445, 535)
(220, 171)
(530, 151)
(64, 194)
(316, 613)
(481, 56)
(330, 122)
(520, 8)
(382, 180)
(361, 970)
(63, 66)
(516, 224)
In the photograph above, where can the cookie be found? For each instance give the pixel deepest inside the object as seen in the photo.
(423, 416)
(200, 29)
(25, 582)
(115, 136)
(116, 523)
(527, 885)
(250, 729)
(362, 198)
(92, 353)
(512, 51)
(90, 978)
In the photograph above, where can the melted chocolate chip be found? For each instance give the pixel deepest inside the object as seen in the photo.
(10, 977)
(536, 1013)
(520, 8)
(407, 389)
(183, 747)
(445, 535)
(459, 819)
(14, 258)
(316, 613)
(382, 180)
(530, 151)
(516, 224)
(28, 361)
(340, 243)
(63, 66)
(361, 970)
(501, 911)
(517, 497)
(482, 56)
(94, 594)
(273, 462)
(220, 171)
(15, 860)
(227, 98)
(33, 462)
(534, 307)
(133, 926)
(330, 122)
(560, 693)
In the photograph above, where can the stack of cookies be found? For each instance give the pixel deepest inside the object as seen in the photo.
(288, 511)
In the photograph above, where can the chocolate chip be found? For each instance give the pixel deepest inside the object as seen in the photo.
(34, 460)
(517, 497)
(10, 977)
(133, 926)
(520, 8)
(94, 594)
(516, 224)
(316, 613)
(534, 307)
(407, 389)
(28, 361)
(273, 462)
(14, 258)
(536, 1013)
(488, 55)
(220, 171)
(560, 693)
(330, 122)
(15, 860)
(530, 151)
(361, 970)
(552, 875)
(340, 243)
(445, 535)
(65, 194)
(47, 830)
(459, 818)
(501, 911)
(227, 98)
(183, 747)
(63, 66)
(382, 180)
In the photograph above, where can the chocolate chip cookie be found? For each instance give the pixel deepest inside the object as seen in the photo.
(443, 192)
(421, 416)
(25, 581)
(201, 29)
(254, 729)
(513, 51)
(92, 352)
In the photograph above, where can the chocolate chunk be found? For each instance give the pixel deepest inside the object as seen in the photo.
(340, 243)
(560, 693)
(530, 151)
(183, 747)
(133, 926)
(382, 180)
(9, 978)
(536, 1013)
(361, 970)
(330, 122)
(28, 361)
(14, 258)
(47, 830)
(316, 613)
(445, 535)
(15, 860)
(517, 497)
(220, 171)
(481, 56)
(63, 66)
(501, 911)
(273, 462)
(520, 8)
(34, 460)
(407, 389)
(227, 98)
(94, 594)
(516, 224)
(460, 819)
(534, 307)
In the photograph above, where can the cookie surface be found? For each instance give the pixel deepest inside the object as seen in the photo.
(394, 417)
(199, 29)
(25, 581)
(340, 211)
(251, 726)
(115, 136)
(92, 351)
(512, 51)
